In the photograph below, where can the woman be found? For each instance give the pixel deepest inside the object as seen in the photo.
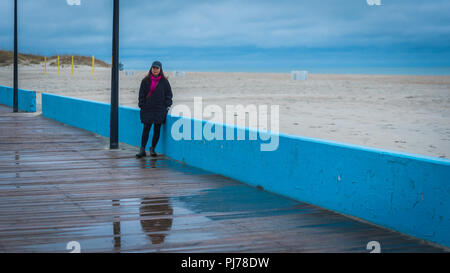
(155, 98)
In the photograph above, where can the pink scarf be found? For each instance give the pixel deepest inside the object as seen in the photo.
(153, 84)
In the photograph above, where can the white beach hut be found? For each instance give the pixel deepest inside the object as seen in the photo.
(299, 75)
(179, 73)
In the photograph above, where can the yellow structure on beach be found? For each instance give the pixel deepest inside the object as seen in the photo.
(62, 61)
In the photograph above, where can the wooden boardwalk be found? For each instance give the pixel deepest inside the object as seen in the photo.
(60, 184)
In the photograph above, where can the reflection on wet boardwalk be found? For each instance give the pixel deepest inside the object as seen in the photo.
(60, 184)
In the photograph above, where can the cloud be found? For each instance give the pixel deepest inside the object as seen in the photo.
(54, 27)
(268, 24)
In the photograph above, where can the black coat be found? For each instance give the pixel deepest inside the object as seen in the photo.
(154, 108)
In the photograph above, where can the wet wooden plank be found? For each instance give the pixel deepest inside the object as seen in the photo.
(61, 184)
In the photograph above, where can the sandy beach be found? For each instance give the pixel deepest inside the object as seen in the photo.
(400, 113)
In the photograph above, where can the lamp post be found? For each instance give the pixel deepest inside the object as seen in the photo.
(114, 120)
(16, 81)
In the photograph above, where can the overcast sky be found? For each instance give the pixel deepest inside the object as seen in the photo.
(242, 35)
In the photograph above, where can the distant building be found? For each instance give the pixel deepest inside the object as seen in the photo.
(299, 75)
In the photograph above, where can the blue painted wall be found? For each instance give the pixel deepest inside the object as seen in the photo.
(405, 192)
(26, 99)
(93, 116)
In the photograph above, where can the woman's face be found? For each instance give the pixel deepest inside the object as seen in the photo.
(155, 70)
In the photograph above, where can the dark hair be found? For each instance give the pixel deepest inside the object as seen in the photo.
(161, 72)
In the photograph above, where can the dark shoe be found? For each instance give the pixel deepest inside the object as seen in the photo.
(152, 152)
(141, 153)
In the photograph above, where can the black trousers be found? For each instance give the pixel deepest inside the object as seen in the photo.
(146, 131)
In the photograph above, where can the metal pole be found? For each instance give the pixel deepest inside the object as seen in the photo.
(114, 121)
(16, 81)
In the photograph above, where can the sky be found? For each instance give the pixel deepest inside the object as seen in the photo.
(398, 36)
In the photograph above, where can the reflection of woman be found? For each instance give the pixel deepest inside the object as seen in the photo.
(161, 213)
(155, 98)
